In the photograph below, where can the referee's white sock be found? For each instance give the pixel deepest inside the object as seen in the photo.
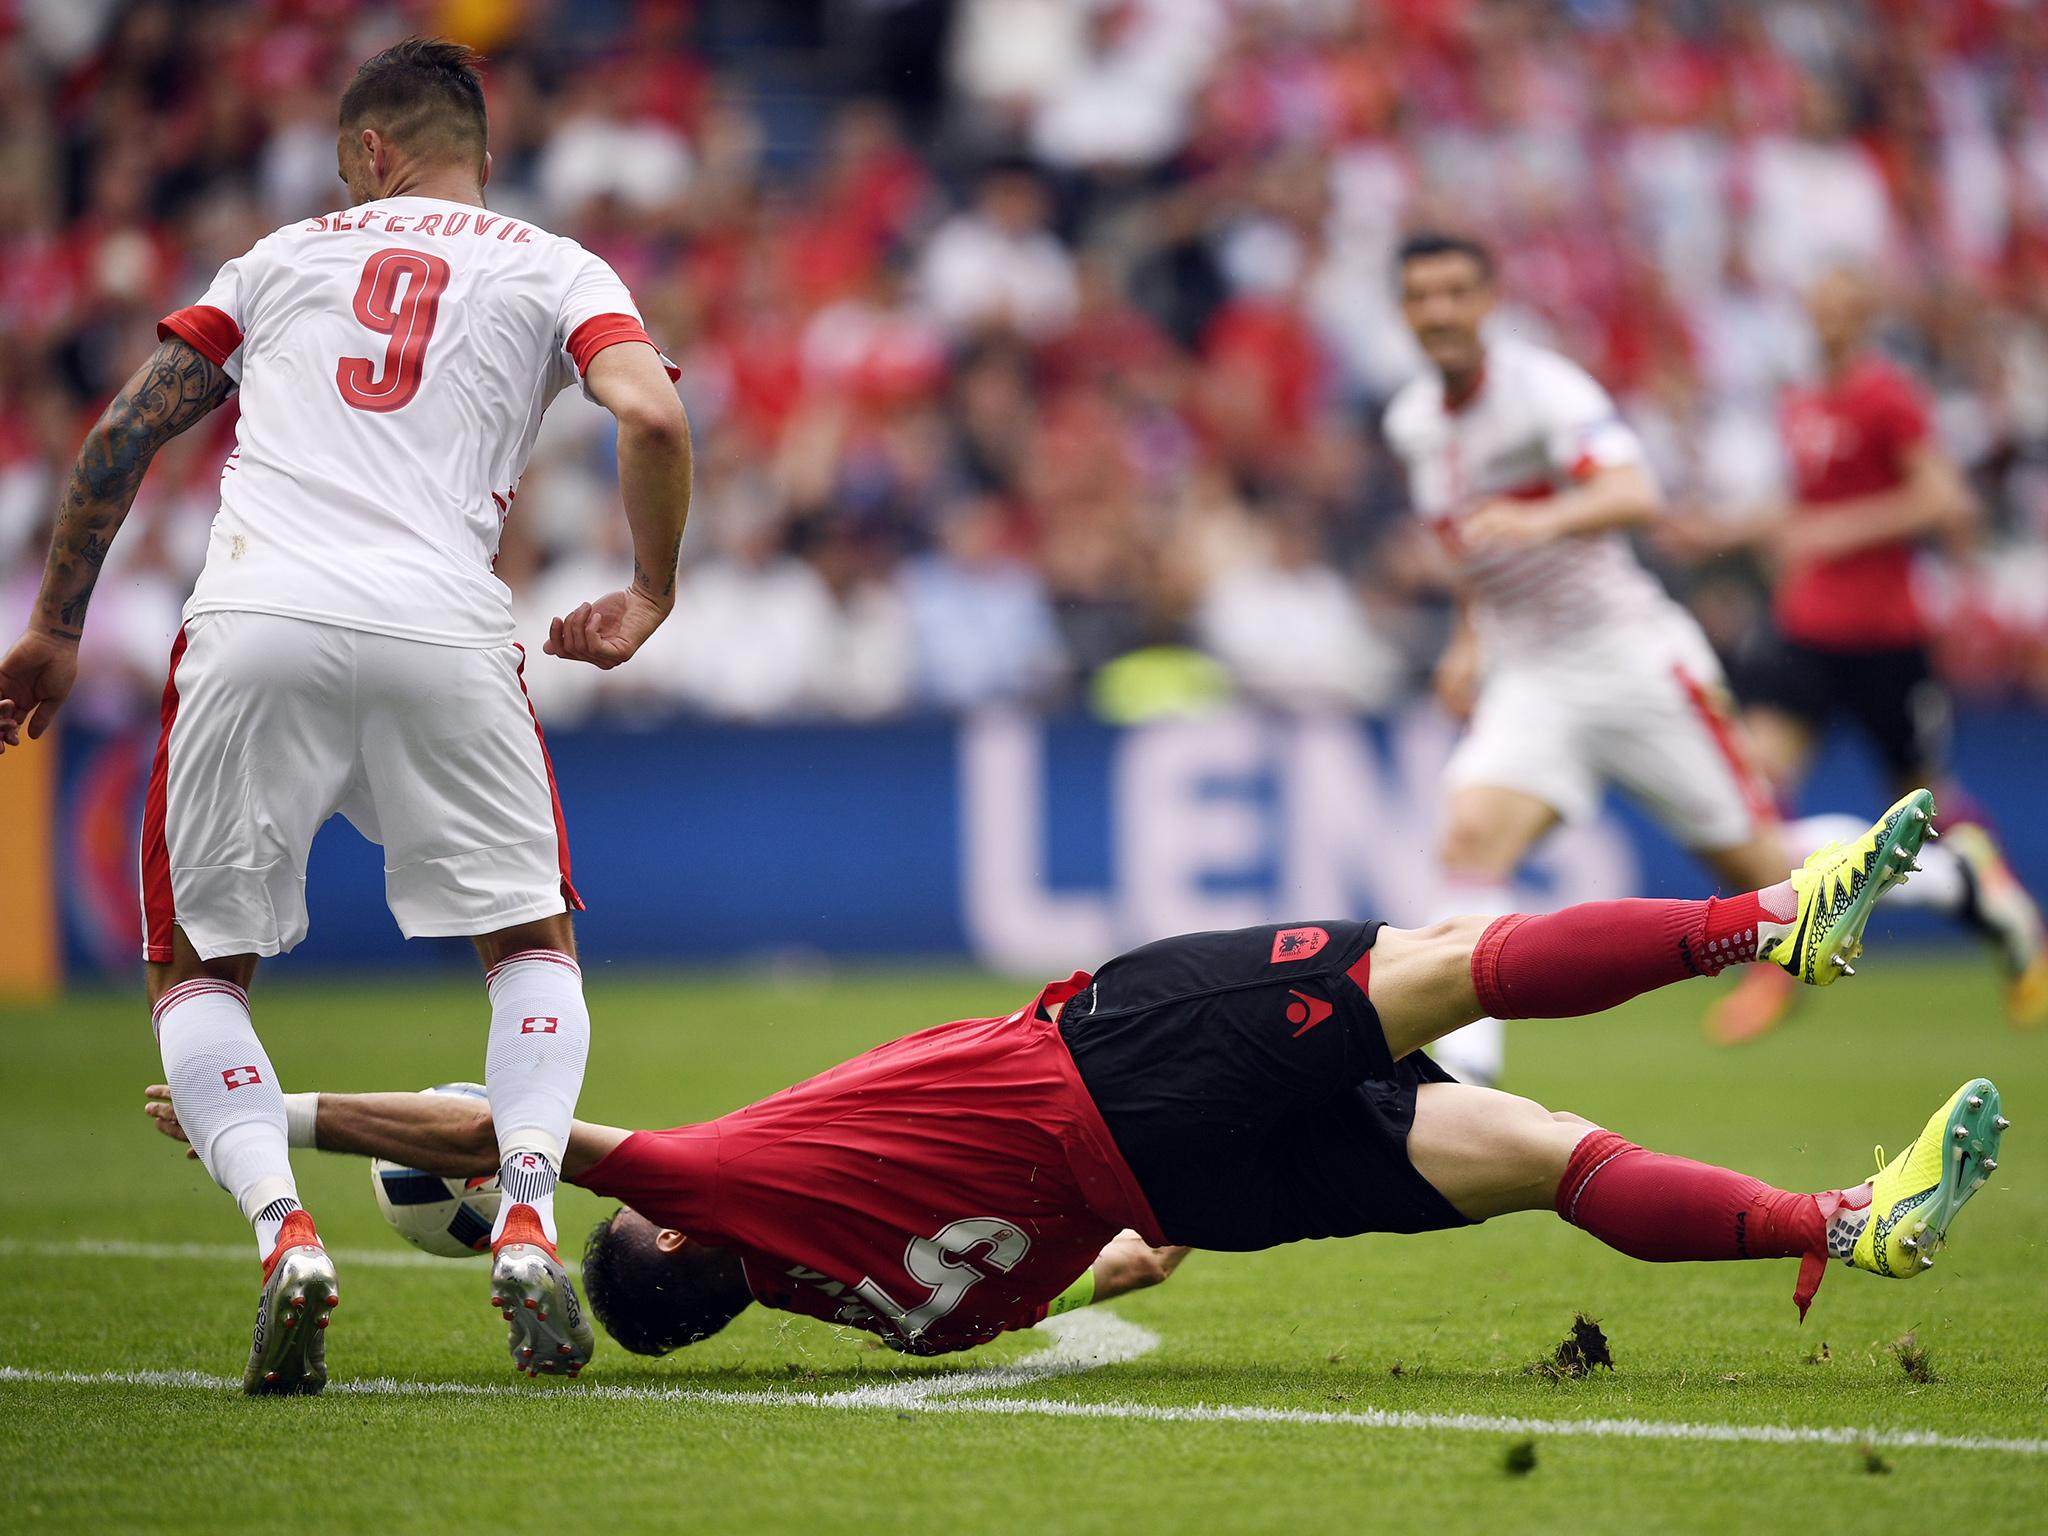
(533, 1069)
(228, 1100)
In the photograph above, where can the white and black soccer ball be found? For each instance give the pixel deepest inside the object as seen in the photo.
(448, 1217)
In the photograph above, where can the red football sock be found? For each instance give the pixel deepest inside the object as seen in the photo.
(1670, 1209)
(1591, 957)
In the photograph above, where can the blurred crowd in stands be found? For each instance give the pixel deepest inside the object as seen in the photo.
(1035, 348)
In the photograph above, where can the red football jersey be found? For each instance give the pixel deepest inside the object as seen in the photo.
(937, 1190)
(1849, 439)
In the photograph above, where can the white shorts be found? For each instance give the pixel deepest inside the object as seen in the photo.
(1658, 725)
(271, 725)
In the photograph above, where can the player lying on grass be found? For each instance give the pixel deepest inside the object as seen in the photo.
(1230, 1090)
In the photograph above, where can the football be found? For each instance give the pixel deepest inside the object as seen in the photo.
(450, 1218)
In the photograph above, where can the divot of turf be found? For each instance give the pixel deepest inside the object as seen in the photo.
(1914, 1359)
(1582, 1350)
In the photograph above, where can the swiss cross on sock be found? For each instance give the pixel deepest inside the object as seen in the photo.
(540, 1024)
(241, 1077)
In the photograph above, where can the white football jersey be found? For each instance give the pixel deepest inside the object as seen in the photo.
(394, 361)
(1536, 425)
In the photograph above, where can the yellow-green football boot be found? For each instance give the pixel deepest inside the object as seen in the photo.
(1839, 885)
(1917, 1194)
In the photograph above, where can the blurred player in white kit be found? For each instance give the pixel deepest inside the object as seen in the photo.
(347, 648)
(1576, 669)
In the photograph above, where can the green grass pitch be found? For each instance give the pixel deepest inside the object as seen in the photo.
(1433, 1326)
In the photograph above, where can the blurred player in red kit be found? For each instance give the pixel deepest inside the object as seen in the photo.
(1870, 485)
(348, 647)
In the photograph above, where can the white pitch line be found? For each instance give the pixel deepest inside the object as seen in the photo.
(206, 1253)
(1084, 1341)
(1081, 1341)
(1490, 1424)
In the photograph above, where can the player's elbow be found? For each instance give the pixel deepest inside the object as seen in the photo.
(1637, 500)
(1626, 494)
(653, 420)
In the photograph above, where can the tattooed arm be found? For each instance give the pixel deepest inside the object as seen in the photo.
(654, 483)
(166, 395)
(169, 392)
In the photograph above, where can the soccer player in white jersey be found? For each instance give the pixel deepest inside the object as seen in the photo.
(347, 648)
(1575, 667)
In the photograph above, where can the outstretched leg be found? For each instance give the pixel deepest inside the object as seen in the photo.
(1585, 959)
(1491, 1153)
(1426, 982)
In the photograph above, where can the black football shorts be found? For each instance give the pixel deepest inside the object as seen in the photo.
(1247, 1082)
(1892, 696)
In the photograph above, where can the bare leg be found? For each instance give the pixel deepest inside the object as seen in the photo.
(1782, 745)
(1759, 862)
(1426, 982)
(185, 965)
(1422, 982)
(1488, 1152)
(555, 933)
(1489, 830)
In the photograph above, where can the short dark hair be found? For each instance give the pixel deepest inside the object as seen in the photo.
(652, 1302)
(1425, 243)
(425, 93)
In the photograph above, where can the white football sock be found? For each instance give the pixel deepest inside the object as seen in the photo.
(1478, 1052)
(533, 1069)
(269, 1221)
(1851, 1216)
(1940, 886)
(227, 1098)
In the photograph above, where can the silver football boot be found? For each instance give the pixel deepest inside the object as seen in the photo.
(548, 1334)
(289, 1352)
